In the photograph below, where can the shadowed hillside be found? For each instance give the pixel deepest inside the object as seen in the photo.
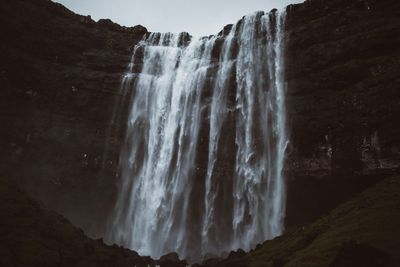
(361, 232)
(32, 235)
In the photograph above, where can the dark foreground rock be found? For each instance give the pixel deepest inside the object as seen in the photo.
(361, 232)
(171, 260)
(33, 236)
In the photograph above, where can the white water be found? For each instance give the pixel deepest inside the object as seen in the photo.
(222, 98)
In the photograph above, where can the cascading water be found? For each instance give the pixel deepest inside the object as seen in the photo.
(201, 168)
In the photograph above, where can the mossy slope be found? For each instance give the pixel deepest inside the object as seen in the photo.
(362, 232)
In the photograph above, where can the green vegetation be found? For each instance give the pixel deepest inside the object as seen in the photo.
(364, 230)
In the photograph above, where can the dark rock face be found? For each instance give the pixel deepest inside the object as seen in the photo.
(59, 78)
(343, 69)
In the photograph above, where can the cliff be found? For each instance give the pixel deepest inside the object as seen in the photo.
(343, 92)
(60, 74)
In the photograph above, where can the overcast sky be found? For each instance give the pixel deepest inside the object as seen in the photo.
(198, 17)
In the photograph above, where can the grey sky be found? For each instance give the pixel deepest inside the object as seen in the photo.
(198, 17)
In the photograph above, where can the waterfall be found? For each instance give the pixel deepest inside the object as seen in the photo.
(201, 167)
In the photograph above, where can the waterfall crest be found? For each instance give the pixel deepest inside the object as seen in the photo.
(201, 167)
